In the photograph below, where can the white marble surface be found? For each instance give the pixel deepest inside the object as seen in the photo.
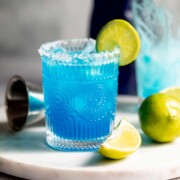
(25, 154)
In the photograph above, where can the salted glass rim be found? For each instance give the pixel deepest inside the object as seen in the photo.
(105, 56)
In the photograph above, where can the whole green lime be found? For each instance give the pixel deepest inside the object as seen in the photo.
(159, 115)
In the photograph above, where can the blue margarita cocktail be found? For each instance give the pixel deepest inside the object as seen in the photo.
(80, 91)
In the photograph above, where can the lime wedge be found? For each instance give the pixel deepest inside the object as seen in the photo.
(124, 140)
(119, 33)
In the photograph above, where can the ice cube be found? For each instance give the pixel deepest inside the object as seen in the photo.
(58, 49)
(60, 53)
(90, 47)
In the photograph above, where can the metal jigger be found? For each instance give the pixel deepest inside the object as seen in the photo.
(24, 103)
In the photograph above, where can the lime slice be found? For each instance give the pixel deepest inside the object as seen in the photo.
(173, 91)
(119, 33)
(124, 140)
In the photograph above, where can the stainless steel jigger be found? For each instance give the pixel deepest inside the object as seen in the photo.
(24, 103)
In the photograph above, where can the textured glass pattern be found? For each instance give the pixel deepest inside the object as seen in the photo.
(80, 97)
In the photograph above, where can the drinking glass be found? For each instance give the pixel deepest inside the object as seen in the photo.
(80, 91)
(158, 64)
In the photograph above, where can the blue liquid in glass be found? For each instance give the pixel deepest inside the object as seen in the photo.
(80, 99)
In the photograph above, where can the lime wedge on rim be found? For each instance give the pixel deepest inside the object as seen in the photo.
(119, 33)
(123, 141)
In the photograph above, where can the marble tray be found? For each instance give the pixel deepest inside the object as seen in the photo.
(25, 154)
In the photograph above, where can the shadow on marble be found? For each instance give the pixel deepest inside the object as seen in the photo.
(99, 160)
(40, 123)
(27, 140)
(4, 176)
(148, 142)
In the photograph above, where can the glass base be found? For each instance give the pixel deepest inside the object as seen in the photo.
(73, 145)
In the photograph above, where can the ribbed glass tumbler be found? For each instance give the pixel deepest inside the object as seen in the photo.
(80, 91)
